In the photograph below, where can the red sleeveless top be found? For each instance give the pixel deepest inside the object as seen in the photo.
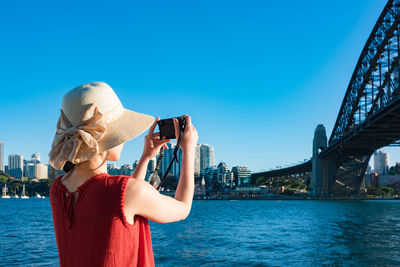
(94, 230)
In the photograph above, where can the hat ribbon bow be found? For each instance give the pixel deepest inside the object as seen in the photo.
(77, 143)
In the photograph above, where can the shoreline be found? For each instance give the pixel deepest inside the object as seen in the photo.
(205, 198)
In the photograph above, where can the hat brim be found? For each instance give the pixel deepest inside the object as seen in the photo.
(128, 126)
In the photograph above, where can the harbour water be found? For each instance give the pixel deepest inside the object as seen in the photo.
(233, 233)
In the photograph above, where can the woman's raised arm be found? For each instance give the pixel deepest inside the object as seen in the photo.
(152, 145)
(143, 199)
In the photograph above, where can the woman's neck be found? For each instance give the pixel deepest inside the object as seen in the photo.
(85, 171)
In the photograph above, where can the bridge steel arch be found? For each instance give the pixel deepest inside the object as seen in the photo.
(375, 80)
(369, 117)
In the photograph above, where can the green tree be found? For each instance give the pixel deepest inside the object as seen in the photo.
(379, 192)
(3, 179)
(387, 191)
(260, 180)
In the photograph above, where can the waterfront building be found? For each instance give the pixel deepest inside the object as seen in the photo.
(249, 190)
(2, 156)
(152, 165)
(210, 177)
(29, 170)
(126, 169)
(206, 156)
(223, 174)
(200, 188)
(112, 169)
(15, 165)
(387, 180)
(241, 175)
(381, 162)
(111, 166)
(41, 171)
(232, 179)
(150, 168)
(135, 164)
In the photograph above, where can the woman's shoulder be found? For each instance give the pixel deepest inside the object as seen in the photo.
(134, 185)
(138, 191)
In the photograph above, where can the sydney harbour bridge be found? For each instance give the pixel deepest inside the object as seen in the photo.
(368, 119)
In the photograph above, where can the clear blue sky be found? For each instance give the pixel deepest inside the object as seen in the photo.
(256, 76)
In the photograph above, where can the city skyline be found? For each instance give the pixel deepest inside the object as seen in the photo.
(236, 89)
(204, 159)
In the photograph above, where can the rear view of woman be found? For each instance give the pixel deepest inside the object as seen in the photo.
(99, 219)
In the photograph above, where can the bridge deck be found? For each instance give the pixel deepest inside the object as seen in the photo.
(382, 129)
(292, 170)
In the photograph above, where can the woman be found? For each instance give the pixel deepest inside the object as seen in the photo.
(99, 219)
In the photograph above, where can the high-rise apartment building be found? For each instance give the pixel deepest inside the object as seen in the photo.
(381, 162)
(41, 171)
(197, 160)
(150, 168)
(167, 158)
(152, 165)
(168, 155)
(15, 165)
(135, 164)
(177, 165)
(1, 156)
(35, 158)
(206, 156)
(29, 170)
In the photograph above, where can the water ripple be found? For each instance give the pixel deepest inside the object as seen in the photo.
(233, 233)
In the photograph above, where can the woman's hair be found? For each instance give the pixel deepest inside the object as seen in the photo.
(69, 166)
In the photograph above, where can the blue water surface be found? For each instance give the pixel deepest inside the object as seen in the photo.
(233, 233)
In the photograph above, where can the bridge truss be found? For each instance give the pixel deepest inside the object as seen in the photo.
(375, 81)
(369, 116)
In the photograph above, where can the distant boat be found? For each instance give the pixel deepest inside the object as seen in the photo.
(38, 196)
(15, 196)
(23, 195)
(4, 192)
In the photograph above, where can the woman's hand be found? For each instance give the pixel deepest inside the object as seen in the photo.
(152, 142)
(189, 137)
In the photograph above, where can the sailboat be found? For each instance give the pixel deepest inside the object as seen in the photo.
(4, 192)
(23, 195)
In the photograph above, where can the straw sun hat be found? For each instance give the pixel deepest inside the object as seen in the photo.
(93, 120)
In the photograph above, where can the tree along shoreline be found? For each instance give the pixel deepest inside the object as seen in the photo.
(33, 187)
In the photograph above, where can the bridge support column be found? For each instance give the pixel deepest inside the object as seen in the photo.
(317, 176)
